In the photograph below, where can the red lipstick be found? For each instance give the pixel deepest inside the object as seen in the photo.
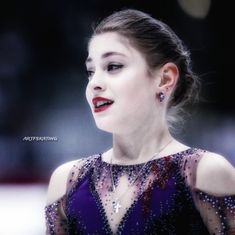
(101, 103)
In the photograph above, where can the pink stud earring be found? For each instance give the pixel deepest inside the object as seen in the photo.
(161, 97)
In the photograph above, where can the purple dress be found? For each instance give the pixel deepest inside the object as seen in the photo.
(163, 199)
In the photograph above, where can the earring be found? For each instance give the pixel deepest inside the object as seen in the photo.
(161, 97)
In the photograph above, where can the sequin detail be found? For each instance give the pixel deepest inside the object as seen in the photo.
(55, 220)
(162, 201)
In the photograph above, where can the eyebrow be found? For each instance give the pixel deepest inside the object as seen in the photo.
(105, 55)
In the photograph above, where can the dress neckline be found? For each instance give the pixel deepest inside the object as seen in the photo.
(181, 152)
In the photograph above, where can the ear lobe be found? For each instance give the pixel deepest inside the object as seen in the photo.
(169, 76)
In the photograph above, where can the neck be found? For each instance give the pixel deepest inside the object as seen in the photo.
(139, 147)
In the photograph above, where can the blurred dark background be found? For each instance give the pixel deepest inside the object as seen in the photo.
(43, 80)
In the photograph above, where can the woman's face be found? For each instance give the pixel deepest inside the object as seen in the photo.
(120, 91)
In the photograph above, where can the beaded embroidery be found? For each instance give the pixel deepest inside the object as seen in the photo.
(163, 200)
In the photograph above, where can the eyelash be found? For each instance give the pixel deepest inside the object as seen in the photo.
(113, 67)
(89, 73)
(109, 68)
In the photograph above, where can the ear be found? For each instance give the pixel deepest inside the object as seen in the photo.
(169, 75)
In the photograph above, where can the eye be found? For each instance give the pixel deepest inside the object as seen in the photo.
(89, 73)
(114, 67)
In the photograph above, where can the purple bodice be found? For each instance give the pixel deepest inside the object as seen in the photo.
(163, 200)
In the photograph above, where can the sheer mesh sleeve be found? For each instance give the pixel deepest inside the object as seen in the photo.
(56, 222)
(217, 212)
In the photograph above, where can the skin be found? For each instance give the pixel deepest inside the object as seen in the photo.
(137, 119)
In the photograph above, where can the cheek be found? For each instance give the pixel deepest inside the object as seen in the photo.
(130, 83)
(136, 90)
(88, 95)
(138, 98)
(132, 100)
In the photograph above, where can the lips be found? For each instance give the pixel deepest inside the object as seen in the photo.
(101, 104)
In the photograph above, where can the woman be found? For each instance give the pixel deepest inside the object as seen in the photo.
(140, 77)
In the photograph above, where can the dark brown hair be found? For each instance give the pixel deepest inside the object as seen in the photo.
(159, 44)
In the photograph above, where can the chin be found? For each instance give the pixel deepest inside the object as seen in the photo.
(113, 129)
(108, 126)
(105, 126)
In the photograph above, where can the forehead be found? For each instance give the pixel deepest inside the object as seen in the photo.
(109, 42)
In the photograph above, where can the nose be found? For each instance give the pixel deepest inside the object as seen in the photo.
(97, 82)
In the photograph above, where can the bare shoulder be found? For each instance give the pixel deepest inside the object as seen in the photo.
(58, 181)
(215, 175)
